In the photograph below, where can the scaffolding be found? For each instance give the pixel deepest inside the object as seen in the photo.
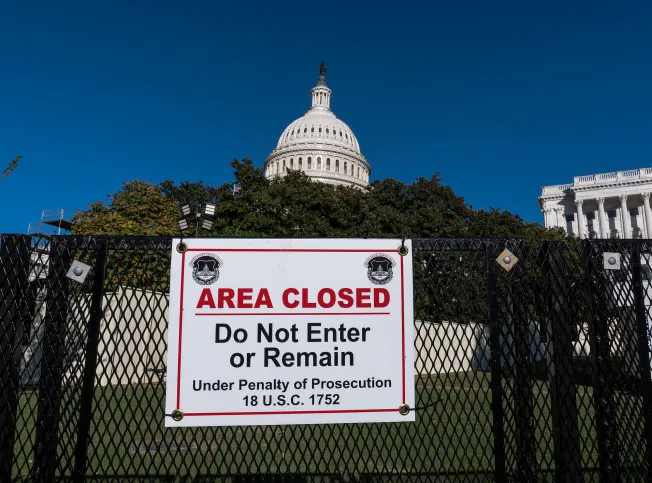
(52, 222)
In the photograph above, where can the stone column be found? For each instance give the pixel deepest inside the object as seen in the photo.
(552, 218)
(648, 213)
(581, 228)
(604, 225)
(560, 218)
(546, 217)
(624, 216)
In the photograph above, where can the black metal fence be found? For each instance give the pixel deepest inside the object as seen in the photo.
(537, 373)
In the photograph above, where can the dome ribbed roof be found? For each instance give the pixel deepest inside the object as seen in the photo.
(320, 145)
(319, 126)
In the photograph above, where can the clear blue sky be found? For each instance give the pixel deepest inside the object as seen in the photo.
(500, 97)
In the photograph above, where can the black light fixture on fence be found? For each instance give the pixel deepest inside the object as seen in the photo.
(203, 217)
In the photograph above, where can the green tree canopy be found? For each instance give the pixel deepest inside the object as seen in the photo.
(295, 206)
(140, 208)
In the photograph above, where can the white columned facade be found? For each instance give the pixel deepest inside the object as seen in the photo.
(611, 192)
(648, 213)
(604, 227)
(581, 228)
(624, 217)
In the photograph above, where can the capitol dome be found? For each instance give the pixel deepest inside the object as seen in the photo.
(320, 145)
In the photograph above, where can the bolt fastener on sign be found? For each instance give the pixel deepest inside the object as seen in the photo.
(177, 414)
(404, 409)
(77, 271)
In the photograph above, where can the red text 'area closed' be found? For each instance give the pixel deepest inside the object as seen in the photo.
(294, 298)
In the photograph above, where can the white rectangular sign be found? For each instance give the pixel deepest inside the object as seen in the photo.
(280, 331)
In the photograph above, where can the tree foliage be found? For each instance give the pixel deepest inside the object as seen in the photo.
(140, 208)
(451, 283)
(10, 168)
(294, 206)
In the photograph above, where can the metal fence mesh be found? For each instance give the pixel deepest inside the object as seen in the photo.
(537, 373)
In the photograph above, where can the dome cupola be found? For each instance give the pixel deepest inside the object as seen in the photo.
(320, 145)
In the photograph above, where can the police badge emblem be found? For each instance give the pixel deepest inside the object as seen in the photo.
(206, 268)
(379, 268)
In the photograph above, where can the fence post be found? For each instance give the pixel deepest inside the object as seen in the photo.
(90, 367)
(495, 329)
(54, 342)
(643, 351)
(14, 277)
(597, 319)
(523, 378)
(561, 374)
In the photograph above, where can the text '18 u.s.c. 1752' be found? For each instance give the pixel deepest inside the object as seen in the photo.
(302, 331)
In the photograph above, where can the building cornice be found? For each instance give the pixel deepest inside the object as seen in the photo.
(554, 197)
(615, 179)
(617, 184)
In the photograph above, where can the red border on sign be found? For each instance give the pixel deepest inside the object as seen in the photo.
(294, 250)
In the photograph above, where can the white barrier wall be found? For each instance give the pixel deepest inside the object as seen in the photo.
(442, 347)
(133, 338)
(132, 348)
(448, 347)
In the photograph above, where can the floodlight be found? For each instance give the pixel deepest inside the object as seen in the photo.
(183, 224)
(185, 209)
(207, 224)
(209, 209)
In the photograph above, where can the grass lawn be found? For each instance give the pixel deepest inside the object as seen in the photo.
(452, 434)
